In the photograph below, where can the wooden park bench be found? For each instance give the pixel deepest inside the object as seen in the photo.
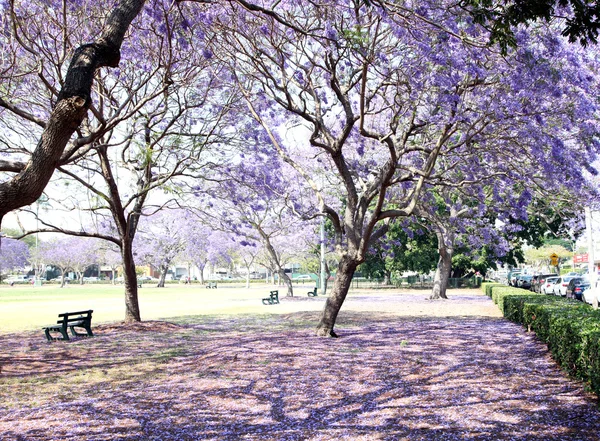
(211, 285)
(272, 299)
(72, 320)
(313, 293)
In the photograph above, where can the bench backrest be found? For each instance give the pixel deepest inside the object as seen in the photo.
(75, 316)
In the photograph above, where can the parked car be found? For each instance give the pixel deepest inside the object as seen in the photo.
(512, 277)
(548, 286)
(59, 279)
(576, 286)
(15, 279)
(524, 281)
(592, 292)
(538, 280)
(560, 287)
(302, 278)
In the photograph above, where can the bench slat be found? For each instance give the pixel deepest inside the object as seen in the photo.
(89, 311)
(72, 320)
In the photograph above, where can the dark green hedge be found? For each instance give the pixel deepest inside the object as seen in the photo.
(571, 329)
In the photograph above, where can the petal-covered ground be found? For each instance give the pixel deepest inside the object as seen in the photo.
(422, 370)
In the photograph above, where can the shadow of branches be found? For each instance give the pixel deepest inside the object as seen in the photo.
(268, 378)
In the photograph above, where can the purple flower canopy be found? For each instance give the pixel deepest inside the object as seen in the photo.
(14, 254)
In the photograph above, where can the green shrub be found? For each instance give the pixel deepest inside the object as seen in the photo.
(501, 293)
(570, 328)
(591, 359)
(487, 287)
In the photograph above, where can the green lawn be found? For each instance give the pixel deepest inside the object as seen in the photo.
(29, 308)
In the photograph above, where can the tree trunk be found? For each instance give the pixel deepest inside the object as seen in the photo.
(163, 276)
(387, 278)
(442, 274)
(201, 268)
(343, 279)
(132, 307)
(62, 281)
(284, 279)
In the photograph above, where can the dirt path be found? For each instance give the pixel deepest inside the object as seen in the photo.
(405, 369)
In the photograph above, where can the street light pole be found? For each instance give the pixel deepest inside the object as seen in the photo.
(592, 271)
(323, 275)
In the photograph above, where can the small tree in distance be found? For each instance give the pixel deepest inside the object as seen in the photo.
(69, 253)
(14, 254)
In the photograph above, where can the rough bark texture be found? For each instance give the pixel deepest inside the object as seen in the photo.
(442, 274)
(70, 109)
(343, 279)
(132, 307)
(287, 282)
(163, 277)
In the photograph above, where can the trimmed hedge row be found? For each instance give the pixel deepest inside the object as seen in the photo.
(571, 329)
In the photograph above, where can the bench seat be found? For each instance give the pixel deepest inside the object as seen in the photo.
(71, 320)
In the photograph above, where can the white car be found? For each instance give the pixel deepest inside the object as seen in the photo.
(302, 278)
(590, 293)
(560, 287)
(548, 286)
(16, 279)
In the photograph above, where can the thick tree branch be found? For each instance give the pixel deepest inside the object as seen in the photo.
(70, 109)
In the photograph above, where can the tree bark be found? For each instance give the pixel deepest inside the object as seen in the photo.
(387, 278)
(201, 268)
(71, 108)
(132, 307)
(62, 279)
(343, 279)
(163, 276)
(285, 279)
(442, 274)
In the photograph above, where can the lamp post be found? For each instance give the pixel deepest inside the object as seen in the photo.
(592, 272)
(323, 274)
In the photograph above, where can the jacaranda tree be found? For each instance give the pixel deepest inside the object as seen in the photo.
(377, 98)
(156, 117)
(14, 254)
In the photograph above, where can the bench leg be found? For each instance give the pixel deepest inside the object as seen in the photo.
(88, 331)
(65, 335)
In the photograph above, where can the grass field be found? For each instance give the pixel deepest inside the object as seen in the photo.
(28, 308)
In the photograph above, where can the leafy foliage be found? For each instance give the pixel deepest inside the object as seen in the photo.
(502, 17)
(571, 329)
(406, 247)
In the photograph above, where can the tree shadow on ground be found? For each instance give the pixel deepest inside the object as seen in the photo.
(268, 378)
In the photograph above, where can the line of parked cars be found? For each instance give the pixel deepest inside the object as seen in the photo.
(572, 285)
